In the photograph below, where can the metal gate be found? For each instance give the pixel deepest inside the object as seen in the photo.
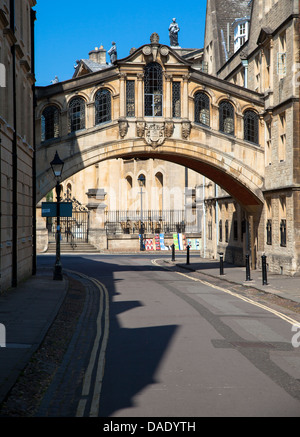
(75, 228)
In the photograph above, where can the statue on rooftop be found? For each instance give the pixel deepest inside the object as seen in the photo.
(55, 80)
(173, 33)
(113, 53)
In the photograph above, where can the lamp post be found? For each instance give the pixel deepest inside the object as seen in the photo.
(57, 166)
(141, 180)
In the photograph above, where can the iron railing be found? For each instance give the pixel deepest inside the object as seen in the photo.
(154, 221)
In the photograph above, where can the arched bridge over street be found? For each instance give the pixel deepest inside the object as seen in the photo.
(154, 104)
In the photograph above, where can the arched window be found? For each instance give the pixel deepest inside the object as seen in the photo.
(50, 123)
(102, 106)
(202, 114)
(76, 114)
(159, 182)
(226, 117)
(251, 126)
(153, 90)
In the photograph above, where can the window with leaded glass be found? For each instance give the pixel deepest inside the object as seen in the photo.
(153, 90)
(202, 113)
(226, 117)
(76, 114)
(50, 123)
(130, 98)
(251, 126)
(269, 232)
(102, 106)
(176, 99)
(283, 233)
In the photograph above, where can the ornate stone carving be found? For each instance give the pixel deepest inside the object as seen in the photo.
(155, 134)
(186, 129)
(154, 38)
(169, 128)
(164, 51)
(140, 129)
(147, 50)
(123, 128)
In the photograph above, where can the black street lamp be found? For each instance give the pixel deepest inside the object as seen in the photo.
(57, 167)
(141, 180)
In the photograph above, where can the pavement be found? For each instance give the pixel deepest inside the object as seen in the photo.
(28, 311)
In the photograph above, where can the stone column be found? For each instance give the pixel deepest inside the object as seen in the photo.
(96, 207)
(140, 96)
(123, 77)
(185, 97)
(90, 115)
(168, 99)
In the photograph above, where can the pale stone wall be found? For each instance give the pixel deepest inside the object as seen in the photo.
(274, 29)
(16, 238)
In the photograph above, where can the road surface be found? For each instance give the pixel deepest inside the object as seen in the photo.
(159, 342)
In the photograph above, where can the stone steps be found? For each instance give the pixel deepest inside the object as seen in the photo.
(76, 247)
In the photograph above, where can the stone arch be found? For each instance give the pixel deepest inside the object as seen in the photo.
(71, 96)
(103, 85)
(40, 109)
(238, 179)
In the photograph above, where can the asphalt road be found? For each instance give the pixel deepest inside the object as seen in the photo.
(169, 344)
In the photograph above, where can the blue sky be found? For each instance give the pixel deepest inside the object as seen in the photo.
(69, 30)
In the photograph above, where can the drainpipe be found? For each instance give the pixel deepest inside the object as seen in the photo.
(32, 20)
(14, 157)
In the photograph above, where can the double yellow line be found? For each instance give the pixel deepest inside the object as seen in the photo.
(93, 387)
(246, 299)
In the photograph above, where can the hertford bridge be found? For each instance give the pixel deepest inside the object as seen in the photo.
(154, 104)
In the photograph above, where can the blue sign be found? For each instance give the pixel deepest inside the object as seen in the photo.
(49, 209)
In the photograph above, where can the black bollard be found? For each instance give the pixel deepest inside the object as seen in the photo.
(247, 268)
(221, 264)
(188, 254)
(264, 269)
(173, 252)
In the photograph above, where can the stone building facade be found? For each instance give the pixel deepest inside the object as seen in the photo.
(17, 141)
(154, 145)
(267, 62)
(245, 122)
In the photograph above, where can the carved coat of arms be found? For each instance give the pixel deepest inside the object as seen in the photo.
(155, 134)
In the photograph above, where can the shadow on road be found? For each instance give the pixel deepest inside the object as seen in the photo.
(132, 355)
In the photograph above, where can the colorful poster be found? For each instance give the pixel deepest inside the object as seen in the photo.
(180, 242)
(194, 243)
(162, 242)
(175, 241)
(157, 242)
(149, 244)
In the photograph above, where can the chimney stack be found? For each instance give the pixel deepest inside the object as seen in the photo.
(98, 55)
